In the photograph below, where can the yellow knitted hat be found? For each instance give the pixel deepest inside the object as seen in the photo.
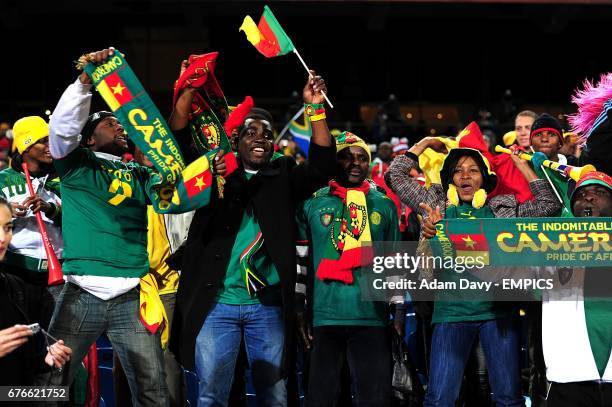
(28, 130)
(347, 139)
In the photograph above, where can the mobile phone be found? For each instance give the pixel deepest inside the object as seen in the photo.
(35, 328)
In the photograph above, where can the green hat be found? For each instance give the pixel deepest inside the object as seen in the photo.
(592, 178)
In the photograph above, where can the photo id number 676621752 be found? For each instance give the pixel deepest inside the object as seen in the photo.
(33, 393)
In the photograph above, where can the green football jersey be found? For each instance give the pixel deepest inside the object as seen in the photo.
(13, 184)
(104, 214)
(26, 250)
(336, 303)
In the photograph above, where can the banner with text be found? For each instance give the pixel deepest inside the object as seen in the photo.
(126, 97)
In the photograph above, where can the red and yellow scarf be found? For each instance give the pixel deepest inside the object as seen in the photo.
(349, 244)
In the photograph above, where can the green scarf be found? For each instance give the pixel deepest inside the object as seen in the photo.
(126, 97)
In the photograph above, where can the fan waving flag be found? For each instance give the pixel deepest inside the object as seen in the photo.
(127, 98)
(268, 37)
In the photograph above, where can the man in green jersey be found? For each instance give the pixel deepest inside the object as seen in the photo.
(105, 235)
(336, 221)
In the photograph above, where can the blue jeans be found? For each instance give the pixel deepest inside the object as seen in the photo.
(451, 344)
(80, 318)
(217, 347)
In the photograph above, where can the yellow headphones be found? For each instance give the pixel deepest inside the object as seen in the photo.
(478, 201)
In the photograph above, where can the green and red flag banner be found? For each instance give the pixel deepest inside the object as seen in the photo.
(191, 191)
(527, 241)
(471, 245)
(114, 91)
(268, 37)
(146, 127)
(209, 108)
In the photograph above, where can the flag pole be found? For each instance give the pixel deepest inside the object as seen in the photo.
(284, 130)
(308, 71)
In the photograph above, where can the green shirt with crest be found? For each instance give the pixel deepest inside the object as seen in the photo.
(104, 204)
(336, 303)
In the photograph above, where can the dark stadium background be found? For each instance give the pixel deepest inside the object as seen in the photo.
(447, 57)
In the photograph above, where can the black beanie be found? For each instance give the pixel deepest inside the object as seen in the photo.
(546, 122)
(92, 122)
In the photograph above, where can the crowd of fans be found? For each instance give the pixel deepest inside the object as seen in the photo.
(272, 264)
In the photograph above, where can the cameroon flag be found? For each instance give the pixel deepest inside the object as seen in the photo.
(471, 245)
(268, 37)
(197, 179)
(114, 92)
(191, 191)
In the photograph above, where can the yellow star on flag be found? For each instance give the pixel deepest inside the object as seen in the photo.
(118, 89)
(200, 182)
(469, 242)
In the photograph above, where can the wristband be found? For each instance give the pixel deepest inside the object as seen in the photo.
(312, 109)
(317, 117)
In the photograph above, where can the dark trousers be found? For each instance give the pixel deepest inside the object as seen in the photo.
(174, 373)
(580, 394)
(477, 391)
(80, 318)
(368, 353)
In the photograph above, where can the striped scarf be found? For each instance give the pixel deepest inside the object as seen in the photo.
(345, 249)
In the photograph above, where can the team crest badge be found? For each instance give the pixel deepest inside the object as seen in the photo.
(211, 133)
(326, 219)
(375, 218)
(358, 216)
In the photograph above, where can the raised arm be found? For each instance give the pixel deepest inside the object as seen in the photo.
(321, 164)
(408, 189)
(72, 110)
(179, 120)
(545, 202)
(313, 94)
(69, 117)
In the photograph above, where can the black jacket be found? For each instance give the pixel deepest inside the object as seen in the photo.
(25, 304)
(272, 194)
